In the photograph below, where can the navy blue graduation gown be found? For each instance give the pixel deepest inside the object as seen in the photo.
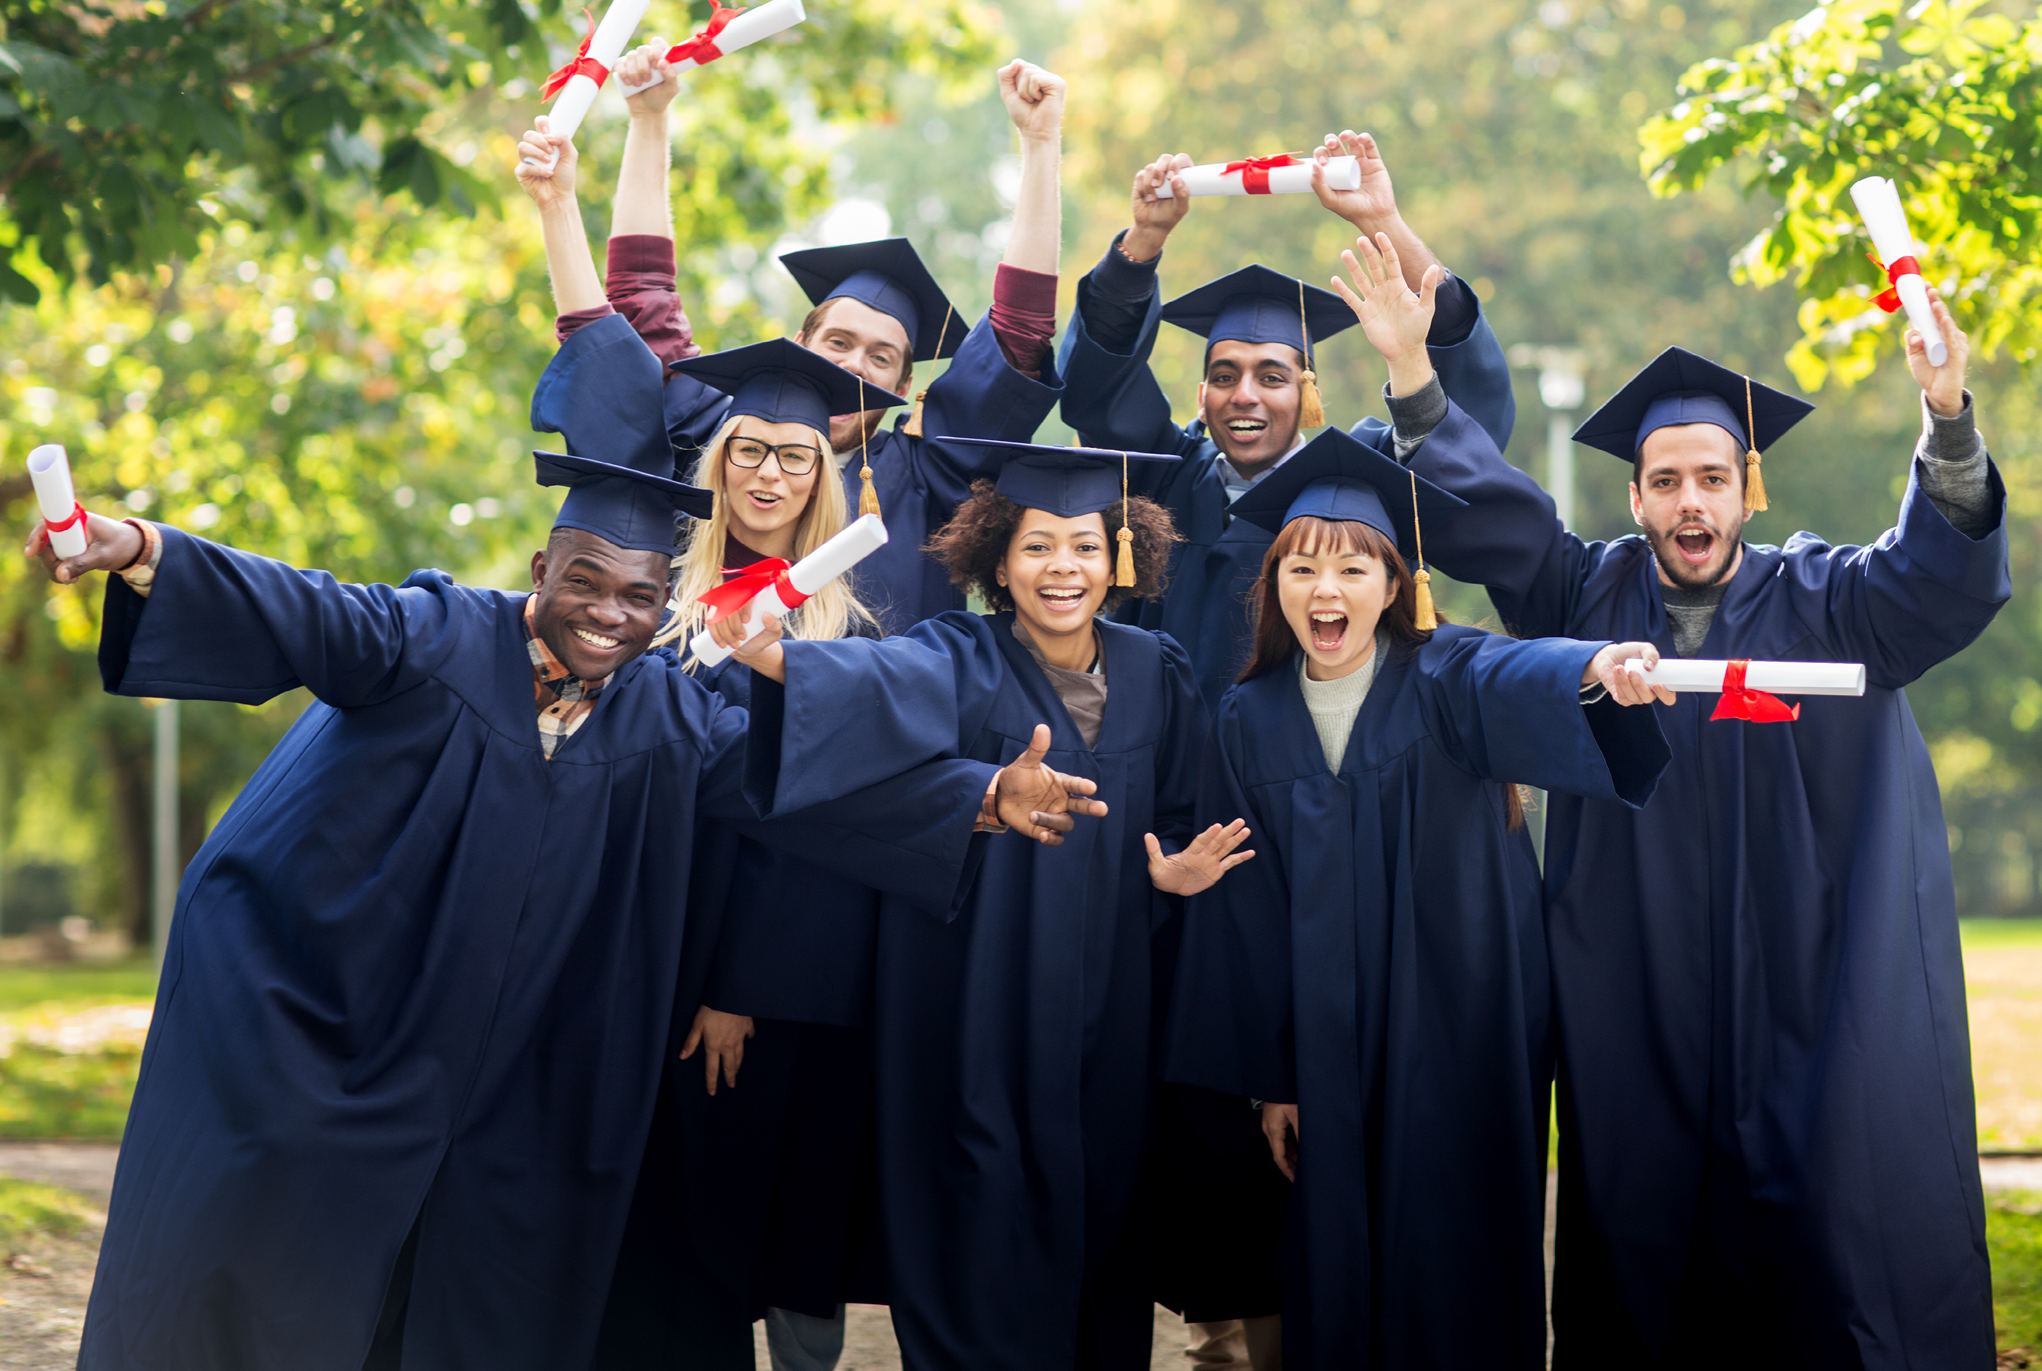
(1014, 1040)
(420, 975)
(1114, 401)
(1381, 963)
(772, 1185)
(920, 481)
(1767, 1139)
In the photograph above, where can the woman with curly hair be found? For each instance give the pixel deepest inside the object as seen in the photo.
(1014, 1041)
(1380, 972)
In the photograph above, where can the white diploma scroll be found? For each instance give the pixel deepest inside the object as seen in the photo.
(1878, 201)
(50, 472)
(1775, 678)
(853, 545)
(754, 25)
(1342, 173)
(613, 33)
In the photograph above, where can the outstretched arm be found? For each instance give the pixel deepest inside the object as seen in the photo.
(643, 205)
(1035, 102)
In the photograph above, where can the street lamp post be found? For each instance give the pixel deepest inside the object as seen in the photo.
(1562, 387)
(164, 867)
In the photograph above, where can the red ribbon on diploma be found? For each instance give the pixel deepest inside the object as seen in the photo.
(1889, 298)
(582, 65)
(702, 49)
(1255, 170)
(71, 520)
(738, 591)
(1739, 702)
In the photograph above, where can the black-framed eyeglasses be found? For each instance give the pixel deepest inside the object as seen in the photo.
(796, 459)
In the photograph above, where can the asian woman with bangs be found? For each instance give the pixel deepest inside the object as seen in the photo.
(1379, 971)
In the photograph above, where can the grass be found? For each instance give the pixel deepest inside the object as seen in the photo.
(2013, 1234)
(2003, 985)
(28, 1208)
(47, 1092)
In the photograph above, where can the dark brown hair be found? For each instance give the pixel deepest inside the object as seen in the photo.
(814, 321)
(1276, 643)
(974, 544)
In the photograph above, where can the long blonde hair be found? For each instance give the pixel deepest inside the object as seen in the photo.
(829, 613)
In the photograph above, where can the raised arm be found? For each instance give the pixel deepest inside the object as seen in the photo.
(192, 620)
(643, 206)
(575, 284)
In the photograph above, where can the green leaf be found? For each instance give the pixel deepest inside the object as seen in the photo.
(17, 287)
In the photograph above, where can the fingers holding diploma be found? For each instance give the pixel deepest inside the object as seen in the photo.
(1943, 385)
(110, 545)
(547, 181)
(761, 652)
(1625, 686)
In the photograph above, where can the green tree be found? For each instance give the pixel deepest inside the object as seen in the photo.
(342, 379)
(1943, 98)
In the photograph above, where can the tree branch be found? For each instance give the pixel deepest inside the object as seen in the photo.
(281, 60)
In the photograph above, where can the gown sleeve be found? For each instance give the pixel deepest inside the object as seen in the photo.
(1112, 398)
(225, 625)
(1230, 1017)
(1918, 595)
(1511, 711)
(982, 395)
(1476, 376)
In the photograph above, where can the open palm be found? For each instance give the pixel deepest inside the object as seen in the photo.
(1204, 860)
(1396, 319)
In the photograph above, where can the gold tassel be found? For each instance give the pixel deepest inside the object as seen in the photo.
(913, 427)
(868, 498)
(1311, 412)
(1426, 617)
(1123, 560)
(1754, 483)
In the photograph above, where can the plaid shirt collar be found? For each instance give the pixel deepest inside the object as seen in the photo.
(550, 675)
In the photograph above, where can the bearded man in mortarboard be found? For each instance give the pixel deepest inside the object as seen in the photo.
(1768, 1156)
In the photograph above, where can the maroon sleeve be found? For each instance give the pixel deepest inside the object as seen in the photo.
(1024, 317)
(638, 278)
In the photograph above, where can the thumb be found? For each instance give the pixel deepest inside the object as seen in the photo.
(1038, 748)
(1428, 286)
(1155, 848)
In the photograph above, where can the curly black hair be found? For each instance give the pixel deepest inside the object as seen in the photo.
(974, 544)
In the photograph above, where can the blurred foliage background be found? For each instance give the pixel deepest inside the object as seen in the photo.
(276, 284)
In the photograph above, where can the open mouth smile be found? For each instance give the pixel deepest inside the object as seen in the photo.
(1329, 630)
(1062, 599)
(764, 499)
(1247, 428)
(600, 642)
(1694, 544)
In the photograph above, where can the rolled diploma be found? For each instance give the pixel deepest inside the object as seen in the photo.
(1778, 678)
(1878, 201)
(572, 105)
(50, 473)
(1342, 173)
(853, 545)
(759, 22)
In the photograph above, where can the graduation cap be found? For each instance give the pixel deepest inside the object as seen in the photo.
(604, 397)
(1337, 476)
(1257, 305)
(1068, 482)
(784, 383)
(1679, 387)
(888, 275)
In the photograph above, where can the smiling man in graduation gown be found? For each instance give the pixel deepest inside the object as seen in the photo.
(1767, 1148)
(1256, 395)
(418, 989)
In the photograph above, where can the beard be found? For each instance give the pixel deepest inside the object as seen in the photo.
(846, 428)
(1722, 553)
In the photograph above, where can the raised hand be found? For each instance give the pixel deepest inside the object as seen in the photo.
(1943, 385)
(721, 1037)
(1036, 800)
(1395, 318)
(1625, 687)
(1372, 205)
(1200, 865)
(1034, 99)
(1155, 216)
(636, 67)
(110, 545)
(535, 149)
